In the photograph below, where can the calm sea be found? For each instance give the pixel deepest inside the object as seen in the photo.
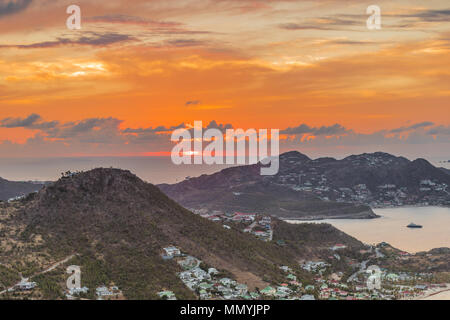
(152, 169)
(391, 228)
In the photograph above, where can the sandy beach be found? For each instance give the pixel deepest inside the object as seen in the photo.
(436, 294)
(445, 295)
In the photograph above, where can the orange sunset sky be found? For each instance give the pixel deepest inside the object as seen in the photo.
(138, 69)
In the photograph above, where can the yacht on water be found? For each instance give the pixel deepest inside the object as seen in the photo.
(413, 225)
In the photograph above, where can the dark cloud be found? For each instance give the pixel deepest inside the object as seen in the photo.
(413, 127)
(192, 103)
(344, 21)
(440, 130)
(181, 43)
(302, 129)
(418, 18)
(152, 26)
(431, 15)
(126, 19)
(326, 23)
(139, 136)
(8, 7)
(222, 127)
(103, 39)
(159, 129)
(298, 26)
(92, 130)
(92, 39)
(352, 42)
(211, 125)
(105, 135)
(20, 122)
(335, 129)
(33, 121)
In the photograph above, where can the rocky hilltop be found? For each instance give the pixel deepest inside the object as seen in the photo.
(117, 225)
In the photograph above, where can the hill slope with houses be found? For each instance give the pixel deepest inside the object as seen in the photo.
(116, 226)
(322, 188)
(133, 242)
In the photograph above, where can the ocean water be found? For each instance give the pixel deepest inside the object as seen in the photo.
(391, 228)
(151, 169)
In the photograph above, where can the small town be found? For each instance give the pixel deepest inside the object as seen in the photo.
(255, 224)
(208, 283)
(427, 192)
(26, 287)
(101, 293)
(387, 195)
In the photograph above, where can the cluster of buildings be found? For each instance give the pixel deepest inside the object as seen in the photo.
(395, 285)
(167, 295)
(104, 292)
(261, 228)
(72, 292)
(430, 193)
(16, 198)
(256, 224)
(219, 216)
(210, 284)
(387, 195)
(206, 283)
(291, 289)
(327, 284)
(331, 285)
(314, 178)
(416, 291)
(101, 292)
(23, 285)
(315, 266)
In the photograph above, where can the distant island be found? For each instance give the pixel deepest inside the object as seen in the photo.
(10, 190)
(323, 188)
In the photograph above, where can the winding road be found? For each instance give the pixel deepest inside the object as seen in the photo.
(51, 268)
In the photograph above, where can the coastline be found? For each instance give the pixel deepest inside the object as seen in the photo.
(411, 206)
(366, 215)
(433, 294)
(392, 227)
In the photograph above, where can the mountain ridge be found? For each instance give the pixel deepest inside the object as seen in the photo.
(331, 188)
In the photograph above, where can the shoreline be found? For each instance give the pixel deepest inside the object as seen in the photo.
(355, 216)
(432, 294)
(391, 227)
(366, 215)
(326, 218)
(411, 206)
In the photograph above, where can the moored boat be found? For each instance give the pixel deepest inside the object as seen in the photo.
(413, 225)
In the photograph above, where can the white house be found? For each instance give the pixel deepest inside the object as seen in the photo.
(172, 251)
